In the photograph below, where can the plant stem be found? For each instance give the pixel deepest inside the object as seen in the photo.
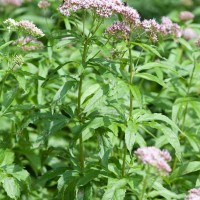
(124, 160)
(81, 147)
(131, 71)
(144, 184)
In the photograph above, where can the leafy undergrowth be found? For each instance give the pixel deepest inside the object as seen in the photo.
(98, 103)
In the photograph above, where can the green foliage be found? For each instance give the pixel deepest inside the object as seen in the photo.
(73, 113)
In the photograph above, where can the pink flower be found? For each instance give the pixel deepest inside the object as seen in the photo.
(28, 44)
(156, 158)
(194, 194)
(104, 8)
(119, 30)
(151, 27)
(189, 34)
(25, 26)
(43, 4)
(11, 2)
(30, 28)
(167, 27)
(198, 43)
(186, 15)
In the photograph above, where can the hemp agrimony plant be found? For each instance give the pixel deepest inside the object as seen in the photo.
(97, 102)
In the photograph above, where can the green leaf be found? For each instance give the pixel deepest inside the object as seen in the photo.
(159, 117)
(170, 135)
(148, 48)
(5, 45)
(11, 187)
(116, 190)
(161, 191)
(185, 168)
(137, 95)
(185, 44)
(67, 178)
(6, 157)
(8, 98)
(151, 77)
(130, 135)
(152, 65)
(88, 176)
(89, 91)
(105, 147)
(97, 99)
(18, 172)
(61, 93)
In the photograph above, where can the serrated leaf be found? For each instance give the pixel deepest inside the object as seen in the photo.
(137, 95)
(161, 191)
(148, 48)
(8, 98)
(97, 99)
(185, 168)
(116, 191)
(11, 187)
(5, 45)
(6, 157)
(151, 77)
(67, 178)
(171, 137)
(89, 91)
(130, 135)
(60, 94)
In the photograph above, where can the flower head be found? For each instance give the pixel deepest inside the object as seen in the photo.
(43, 4)
(30, 28)
(189, 34)
(11, 2)
(103, 8)
(198, 43)
(155, 157)
(118, 29)
(25, 26)
(167, 27)
(28, 44)
(186, 15)
(194, 194)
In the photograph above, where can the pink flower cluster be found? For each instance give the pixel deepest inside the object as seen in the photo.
(118, 29)
(25, 26)
(167, 27)
(44, 4)
(194, 194)
(186, 15)
(28, 44)
(189, 34)
(156, 158)
(11, 2)
(104, 8)
(107, 8)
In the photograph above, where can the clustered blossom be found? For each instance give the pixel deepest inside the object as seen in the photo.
(28, 44)
(104, 8)
(189, 34)
(167, 27)
(155, 157)
(186, 15)
(11, 2)
(198, 43)
(25, 26)
(118, 29)
(152, 27)
(194, 194)
(43, 4)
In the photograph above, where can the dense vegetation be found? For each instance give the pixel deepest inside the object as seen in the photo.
(99, 99)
